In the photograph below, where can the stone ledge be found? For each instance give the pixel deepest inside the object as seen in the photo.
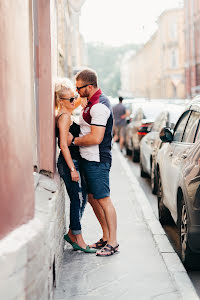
(32, 248)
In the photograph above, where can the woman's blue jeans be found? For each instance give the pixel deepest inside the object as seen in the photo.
(76, 191)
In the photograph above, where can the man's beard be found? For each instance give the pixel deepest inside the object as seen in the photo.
(85, 95)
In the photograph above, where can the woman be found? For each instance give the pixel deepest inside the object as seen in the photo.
(68, 162)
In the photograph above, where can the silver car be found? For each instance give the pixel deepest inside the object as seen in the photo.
(168, 117)
(178, 172)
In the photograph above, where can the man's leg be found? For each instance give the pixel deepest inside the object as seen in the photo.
(97, 208)
(111, 219)
(121, 137)
(121, 142)
(116, 134)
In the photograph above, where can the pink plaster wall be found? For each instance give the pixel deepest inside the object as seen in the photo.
(16, 166)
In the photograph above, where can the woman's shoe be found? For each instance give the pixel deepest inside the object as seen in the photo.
(67, 239)
(86, 250)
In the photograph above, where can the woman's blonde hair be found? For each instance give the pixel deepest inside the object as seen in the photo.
(61, 85)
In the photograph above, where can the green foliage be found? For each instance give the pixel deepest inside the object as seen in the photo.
(105, 60)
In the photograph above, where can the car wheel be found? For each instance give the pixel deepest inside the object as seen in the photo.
(128, 151)
(188, 258)
(154, 184)
(135, 156)
(142, 172)
(163, 212)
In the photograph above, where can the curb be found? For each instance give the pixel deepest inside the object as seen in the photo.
(170, 257)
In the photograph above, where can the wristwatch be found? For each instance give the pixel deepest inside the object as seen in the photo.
(72, 169)
(72, 142)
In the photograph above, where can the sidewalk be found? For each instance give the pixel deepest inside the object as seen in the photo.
(146, 267)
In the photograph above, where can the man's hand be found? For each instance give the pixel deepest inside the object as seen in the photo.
(84, 102)
(69, 139)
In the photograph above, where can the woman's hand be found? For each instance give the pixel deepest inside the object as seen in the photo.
(75, 176)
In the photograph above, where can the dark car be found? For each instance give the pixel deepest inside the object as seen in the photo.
(140, 125)
(178, 171)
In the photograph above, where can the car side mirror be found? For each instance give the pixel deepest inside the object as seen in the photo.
(172, 126)
(166, 135)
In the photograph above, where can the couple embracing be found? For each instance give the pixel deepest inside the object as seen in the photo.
(85, 159)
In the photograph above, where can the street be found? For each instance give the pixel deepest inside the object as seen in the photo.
(171, 230)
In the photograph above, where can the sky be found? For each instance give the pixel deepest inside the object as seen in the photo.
(119, 22)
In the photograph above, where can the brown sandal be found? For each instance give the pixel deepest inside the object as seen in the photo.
(100, 244)
(108, 250)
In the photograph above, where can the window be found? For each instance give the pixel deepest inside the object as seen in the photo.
(180, 127)
(173, 31)
(174, 59)
(191, 128)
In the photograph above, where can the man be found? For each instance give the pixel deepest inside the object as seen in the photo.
(120, 114)
(95, 139)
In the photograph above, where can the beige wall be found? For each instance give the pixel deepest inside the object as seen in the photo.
(71, 46)
(152, 73)
(146, 70)
(171, 26)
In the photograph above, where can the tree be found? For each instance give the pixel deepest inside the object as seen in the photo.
(105, 60)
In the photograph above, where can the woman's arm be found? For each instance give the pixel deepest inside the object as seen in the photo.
(64, 123)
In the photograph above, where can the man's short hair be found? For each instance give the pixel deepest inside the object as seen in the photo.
(88, 76)
(121, 99)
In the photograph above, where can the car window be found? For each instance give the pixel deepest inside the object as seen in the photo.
(198, 133)
(152, 111)
(139, 115)
(174, 115)
(180, 126)
(191, 127)
(158, 122)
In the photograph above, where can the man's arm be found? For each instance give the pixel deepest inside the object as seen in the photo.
(95, 137)
(127, 113)
(99, 116)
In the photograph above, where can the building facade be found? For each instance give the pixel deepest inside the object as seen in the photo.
(32, 199)
(71, 45)
(157, 69)
(125, 75)
(192, 41)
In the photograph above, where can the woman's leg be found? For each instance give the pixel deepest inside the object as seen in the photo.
(76, 202)
(81, 194)
(83, 190)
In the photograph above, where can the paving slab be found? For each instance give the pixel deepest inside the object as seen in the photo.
(140, 271)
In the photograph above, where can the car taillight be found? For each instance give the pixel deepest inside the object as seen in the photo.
(141, 133)
(143, 130)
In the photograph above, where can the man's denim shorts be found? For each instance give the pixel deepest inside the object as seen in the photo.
(97, 178)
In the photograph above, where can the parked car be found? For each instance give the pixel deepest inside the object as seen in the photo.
(151, 142)
(178, 171)
(131, 102)
(140, 125)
